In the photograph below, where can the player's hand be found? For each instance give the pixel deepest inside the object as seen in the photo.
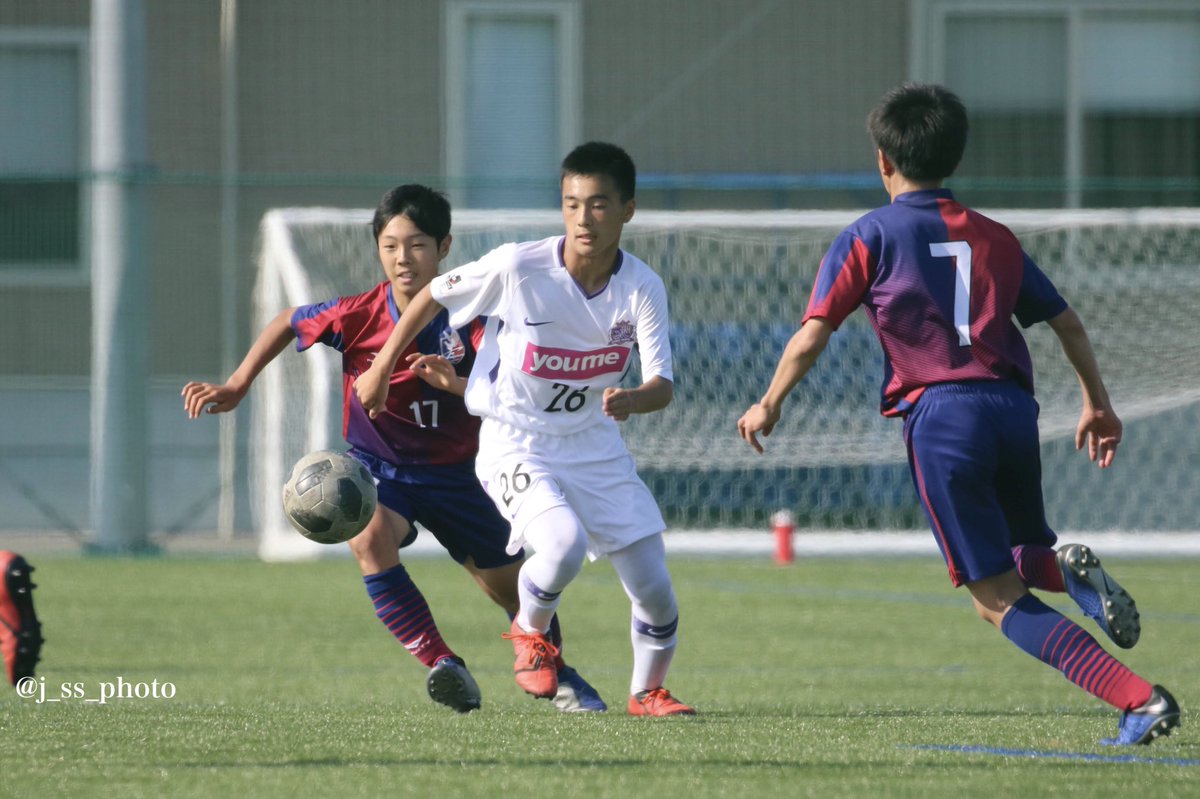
(1101, 431)
(436, 371)
(371, 388)
(209, 398)
(757, 419)
(618, 403)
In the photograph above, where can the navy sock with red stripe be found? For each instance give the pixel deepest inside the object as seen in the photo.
(1038, 567)
(1059, 642)
(402, 608)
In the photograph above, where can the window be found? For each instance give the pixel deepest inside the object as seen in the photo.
(42, 94)
(1141, 110)
(512, 95)
(1072, 102)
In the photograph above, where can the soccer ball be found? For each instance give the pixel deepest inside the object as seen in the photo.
(330, 497)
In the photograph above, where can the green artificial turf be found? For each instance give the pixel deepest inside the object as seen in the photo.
(826, 678)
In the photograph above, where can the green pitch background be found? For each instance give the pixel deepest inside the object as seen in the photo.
(826, 678)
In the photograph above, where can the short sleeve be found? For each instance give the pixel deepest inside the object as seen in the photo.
(318, 323)
(842, 280)
(1038, 299)
(654, 345)
(475, 289)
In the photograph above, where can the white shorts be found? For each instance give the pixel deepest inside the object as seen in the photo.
(591, 472)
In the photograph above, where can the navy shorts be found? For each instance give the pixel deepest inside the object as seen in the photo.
(448, 501)
(974, 455)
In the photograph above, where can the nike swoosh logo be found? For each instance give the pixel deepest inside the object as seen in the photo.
(536, 324)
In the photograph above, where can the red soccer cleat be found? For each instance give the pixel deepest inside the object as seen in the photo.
(658, 702)
(20, 631)
(534, 667)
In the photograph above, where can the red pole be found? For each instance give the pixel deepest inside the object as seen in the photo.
(783, 526)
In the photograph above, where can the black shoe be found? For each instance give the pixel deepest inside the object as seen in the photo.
(1099, 595)
(20, 631)
(450, 684)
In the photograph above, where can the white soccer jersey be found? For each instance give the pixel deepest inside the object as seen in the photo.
(549, 350)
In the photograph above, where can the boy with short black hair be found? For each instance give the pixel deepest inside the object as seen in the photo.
(420, 448)
(941, 284)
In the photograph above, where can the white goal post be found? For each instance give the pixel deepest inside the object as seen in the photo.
(737, 285)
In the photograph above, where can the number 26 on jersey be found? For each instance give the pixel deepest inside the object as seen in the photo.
(567, 398)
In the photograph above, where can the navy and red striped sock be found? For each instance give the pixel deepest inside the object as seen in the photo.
(402, 608)
(1037, 566)
(1059, 642)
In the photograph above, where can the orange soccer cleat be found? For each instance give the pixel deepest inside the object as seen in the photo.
(20, 631)
(658, 702)
(534, 667)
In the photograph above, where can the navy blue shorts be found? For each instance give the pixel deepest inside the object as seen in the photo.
(448, 501)
(975, 460)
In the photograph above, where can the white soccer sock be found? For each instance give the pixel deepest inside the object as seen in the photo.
(642, 568)
(652, 654)
(559, 546)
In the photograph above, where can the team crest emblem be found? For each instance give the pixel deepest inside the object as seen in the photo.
(451, 346)
(622, 333)
(451, 280)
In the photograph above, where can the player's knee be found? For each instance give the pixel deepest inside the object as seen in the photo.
(499, 583)
(570, 557)
(576, 552)
(377, 547)
(993, 596)
(993, 616)
(508, 601)
(643, 572)
(363, 545)
(557, 533)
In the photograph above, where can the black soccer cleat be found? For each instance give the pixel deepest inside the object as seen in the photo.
(20, 631)
(1099, 595)
(450, 684)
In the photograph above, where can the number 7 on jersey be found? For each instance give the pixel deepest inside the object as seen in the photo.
(960, 251)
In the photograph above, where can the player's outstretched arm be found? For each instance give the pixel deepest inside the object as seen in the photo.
(199, 397)
(1098, 425)
(653, 395)
(371, 386)
(801, 352)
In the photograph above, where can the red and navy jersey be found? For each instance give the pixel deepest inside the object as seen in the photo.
(941, 284)
(419, 424)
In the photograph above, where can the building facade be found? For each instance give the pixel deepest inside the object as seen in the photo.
(256, 104)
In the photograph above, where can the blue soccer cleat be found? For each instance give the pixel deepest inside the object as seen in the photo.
(1155, 719)
(450, 684)
(576, 695)
(1099, 596)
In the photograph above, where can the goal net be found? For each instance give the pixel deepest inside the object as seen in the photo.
(738, 284)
